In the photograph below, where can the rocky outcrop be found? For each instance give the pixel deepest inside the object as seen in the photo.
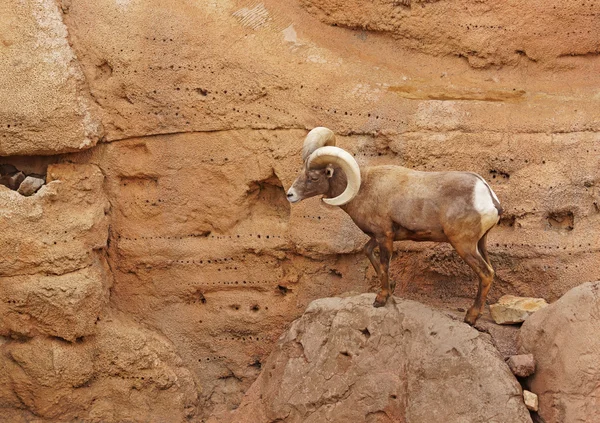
(122, 373)
(345, 361)
(483, 34)
(565, 341)
(64, 354)
(46, 107)
(204, 106)
(53, 278)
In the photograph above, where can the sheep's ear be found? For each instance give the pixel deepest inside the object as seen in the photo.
(329, 171)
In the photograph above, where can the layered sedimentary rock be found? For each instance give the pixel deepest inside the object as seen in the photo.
(204, 106)
(64, 356)
(484, 34)
(54, 279)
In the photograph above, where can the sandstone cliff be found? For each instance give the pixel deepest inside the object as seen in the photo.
(169, 132)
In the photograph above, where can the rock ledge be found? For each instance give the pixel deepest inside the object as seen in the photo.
(345, 360)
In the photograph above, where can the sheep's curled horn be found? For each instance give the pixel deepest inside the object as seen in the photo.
(319, 150)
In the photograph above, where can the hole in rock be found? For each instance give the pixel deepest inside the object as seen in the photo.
(499, 174)
(267, 199)
(25, 178)
(508, 220)
(104, 70)
(335, 272)
(563, 220)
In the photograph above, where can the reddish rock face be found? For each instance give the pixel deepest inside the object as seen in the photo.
(564, 338)
(186, 120)
(53, 280)
(344, 360)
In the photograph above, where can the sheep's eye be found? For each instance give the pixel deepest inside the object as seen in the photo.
(314, 178)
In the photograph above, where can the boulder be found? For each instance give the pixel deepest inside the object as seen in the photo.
(30, 185)
(565, 340)
(346, 361)
(125, 373)
(521, 365)
(510, 309)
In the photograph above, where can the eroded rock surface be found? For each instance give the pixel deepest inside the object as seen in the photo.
(66, 306)
(60, 229)
(204, 107)
(45, 105)
(344, 360)
(123, 373)
(565, 341)
(484, 34)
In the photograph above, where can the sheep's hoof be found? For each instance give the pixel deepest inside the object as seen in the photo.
(380, 300)
(471, 316)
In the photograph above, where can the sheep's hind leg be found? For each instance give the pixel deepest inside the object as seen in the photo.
(481, 246)
(470, 254)
(385, 255)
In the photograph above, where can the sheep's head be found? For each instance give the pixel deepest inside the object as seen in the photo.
(309, 183)
(320, 159)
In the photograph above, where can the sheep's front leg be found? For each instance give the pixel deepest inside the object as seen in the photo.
(369, 250)
(386, 246)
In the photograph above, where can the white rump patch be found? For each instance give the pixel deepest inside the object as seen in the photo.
(483, 203)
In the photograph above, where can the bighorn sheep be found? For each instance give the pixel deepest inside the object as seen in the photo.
(394, 203)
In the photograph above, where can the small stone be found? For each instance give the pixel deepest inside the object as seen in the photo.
(531, 400)
(30, 186)
(12, 181)
(521, 365)
(510, 309)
